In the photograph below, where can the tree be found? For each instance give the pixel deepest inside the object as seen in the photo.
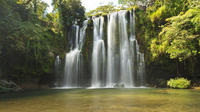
(25, 42)
(70, 12)
(133, 2)
(102, 10)
(180, 37)
(38, 7)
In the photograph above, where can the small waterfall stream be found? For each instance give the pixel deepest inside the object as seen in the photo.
(126, 62)
(57, 70)
(72, 59)
(98, 54)
(112, 58)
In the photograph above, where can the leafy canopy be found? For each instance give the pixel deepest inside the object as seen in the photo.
(180, 36)
(102, 10)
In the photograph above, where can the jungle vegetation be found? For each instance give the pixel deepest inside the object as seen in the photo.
(168, 32)
(30, 38)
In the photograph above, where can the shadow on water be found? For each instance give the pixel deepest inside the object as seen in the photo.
(31, 93)
(46, 92)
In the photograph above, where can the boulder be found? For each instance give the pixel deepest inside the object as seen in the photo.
(8, 86)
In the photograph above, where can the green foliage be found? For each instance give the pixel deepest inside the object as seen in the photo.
(102, 10)
(162, 10)
(174, 28)
(38, 7)
(180, 37)
(30, 39)
(179, 83)
(66, 14)
(159, 14)
(132, 2)
(72, 12)
(52, 19)
(168, 33)
(27, 43)
(194, 4)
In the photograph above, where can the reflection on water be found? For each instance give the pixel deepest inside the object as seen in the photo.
(104, 100)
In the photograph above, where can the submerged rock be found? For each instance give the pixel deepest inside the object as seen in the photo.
(119, 85)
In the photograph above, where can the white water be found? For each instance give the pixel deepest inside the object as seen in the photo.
(125, 64)
(116, 60)
(112, 47)
(98, 54)
(72, 59)
(72, 68)
(57, 65)
(120, 63)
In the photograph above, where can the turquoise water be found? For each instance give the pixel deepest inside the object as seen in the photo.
(102, 100)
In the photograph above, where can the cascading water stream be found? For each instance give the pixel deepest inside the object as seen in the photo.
(116, 57)
(57, 70)
(125, 64)
(111, 50)
(72, 59)
(98, 54)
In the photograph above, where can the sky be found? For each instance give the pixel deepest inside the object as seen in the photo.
(50, 8)
(93, 4)
(88, 4)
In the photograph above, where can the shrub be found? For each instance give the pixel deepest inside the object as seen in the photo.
(179, 83)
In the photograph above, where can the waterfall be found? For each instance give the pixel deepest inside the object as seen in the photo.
(120, 63)
(125, 63)
(141, 70)
(98, 54)
(111, 50)
(57, 65)
(72, 68)
(72, 59)
(116, 60)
